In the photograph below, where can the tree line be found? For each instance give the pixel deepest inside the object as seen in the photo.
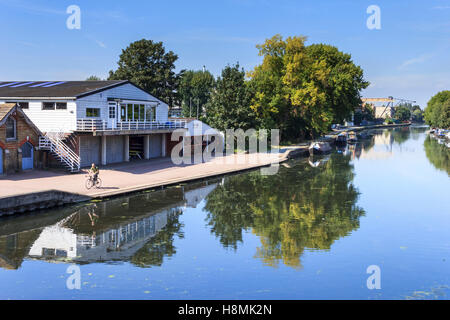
(300, 89)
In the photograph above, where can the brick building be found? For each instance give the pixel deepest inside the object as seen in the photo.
(19, 140)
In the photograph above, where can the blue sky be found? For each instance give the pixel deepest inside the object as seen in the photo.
(408, 58)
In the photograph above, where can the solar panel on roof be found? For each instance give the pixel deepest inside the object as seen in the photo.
(22, 84)
(42, 84)
(8, 84)
(54, 84)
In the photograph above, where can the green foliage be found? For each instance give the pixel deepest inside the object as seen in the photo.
(304, 89)
(298, 208)
(229, 106)
(437, 113)
(93, 78)
(437, 154)
(402, 113)
(367, 113)
(194, 91)
(148, 65)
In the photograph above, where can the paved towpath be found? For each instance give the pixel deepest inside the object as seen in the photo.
(133, 176)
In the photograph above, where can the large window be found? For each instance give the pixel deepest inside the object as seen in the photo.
(137, 112)
(10, 128)
(92, 112)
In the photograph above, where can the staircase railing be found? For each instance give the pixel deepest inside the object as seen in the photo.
(62, 151)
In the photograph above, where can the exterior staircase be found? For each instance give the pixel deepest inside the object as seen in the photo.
(61, 151)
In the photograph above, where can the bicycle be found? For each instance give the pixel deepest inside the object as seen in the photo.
(90, 182)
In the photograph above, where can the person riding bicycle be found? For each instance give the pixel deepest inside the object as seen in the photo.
(94, 172)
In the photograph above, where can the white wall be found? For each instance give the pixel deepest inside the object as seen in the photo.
(126, 91)
(52, 120)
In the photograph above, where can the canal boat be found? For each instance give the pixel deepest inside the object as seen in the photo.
(352, 138)
(319, 148)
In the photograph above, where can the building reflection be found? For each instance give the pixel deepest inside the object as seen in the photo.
(139, 229)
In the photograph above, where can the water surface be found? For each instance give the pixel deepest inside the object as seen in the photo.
(308, 232)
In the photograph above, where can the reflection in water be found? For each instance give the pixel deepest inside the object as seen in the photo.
(301, 207)
(139, 229)
(438, 154)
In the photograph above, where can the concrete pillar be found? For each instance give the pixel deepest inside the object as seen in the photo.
(147, 147)
(103, 150)
(163, 145)
(126, 155)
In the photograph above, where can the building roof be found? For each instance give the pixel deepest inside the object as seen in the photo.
(54, 89)
(5, 110)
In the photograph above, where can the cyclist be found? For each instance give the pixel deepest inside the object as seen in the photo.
(94, 172)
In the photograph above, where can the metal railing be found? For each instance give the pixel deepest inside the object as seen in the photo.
(64, 154)
(91, 125)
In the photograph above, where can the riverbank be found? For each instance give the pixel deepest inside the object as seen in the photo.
(34, 190)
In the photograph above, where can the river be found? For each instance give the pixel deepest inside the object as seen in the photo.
(309, 232)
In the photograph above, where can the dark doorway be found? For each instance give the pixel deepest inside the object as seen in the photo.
(136, 148)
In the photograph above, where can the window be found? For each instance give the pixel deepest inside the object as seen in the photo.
(54, 105)
(112, 112)
(92, 112)
(61, 105)
(23, 105)
(130, 112)
(136, 112)
(48, 106)
(141, 112)
(123, 112)
(11, 128)
(153, 113)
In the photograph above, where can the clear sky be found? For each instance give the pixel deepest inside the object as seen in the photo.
(407, 58)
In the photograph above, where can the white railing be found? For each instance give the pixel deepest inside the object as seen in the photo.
(91, 125)
(61, 151)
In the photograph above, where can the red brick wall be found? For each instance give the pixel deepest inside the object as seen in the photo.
(12, 157)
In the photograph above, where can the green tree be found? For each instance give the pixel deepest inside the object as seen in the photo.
(148, 65)
(93, 78)
(229, 106)
(402, 113)
(437, 112)
(304, 89)
(194, 91)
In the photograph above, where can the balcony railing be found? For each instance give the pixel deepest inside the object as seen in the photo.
(91, 125)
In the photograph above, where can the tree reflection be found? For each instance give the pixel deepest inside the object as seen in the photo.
(300, 207)
(438, 154)
(160, 246)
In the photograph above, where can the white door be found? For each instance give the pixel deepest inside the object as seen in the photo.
(112, 115)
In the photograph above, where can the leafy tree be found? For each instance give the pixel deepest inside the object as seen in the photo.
(147, 64)
(93, 78)
(402, 113)
(437, 112)
(229, 106)
(304, 89)
(195, 90)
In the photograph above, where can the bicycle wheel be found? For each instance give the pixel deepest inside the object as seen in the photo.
(98, 184)
(89, 183)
